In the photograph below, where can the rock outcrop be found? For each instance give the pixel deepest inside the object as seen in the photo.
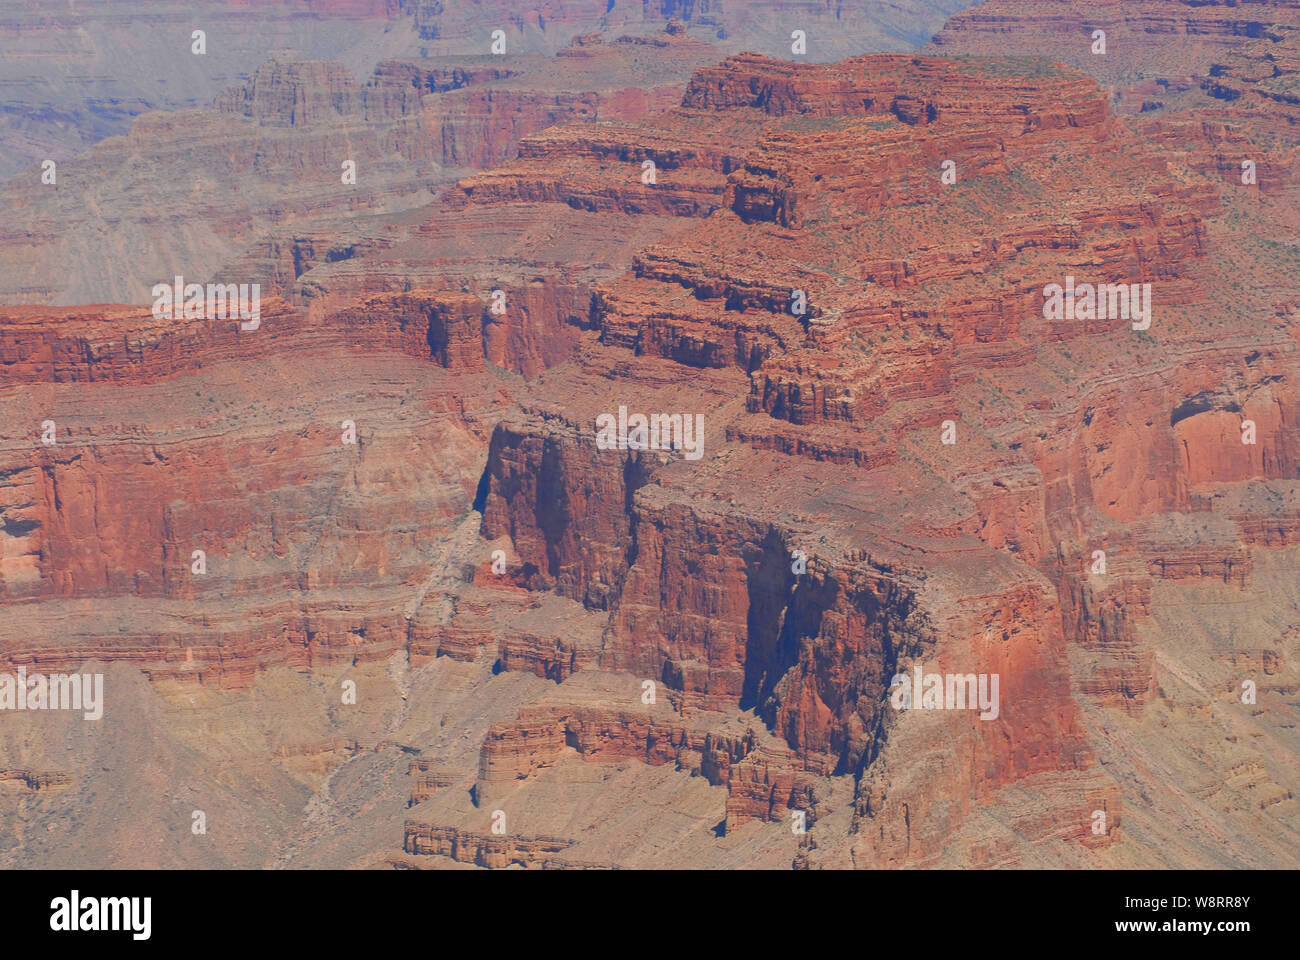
(934, 394)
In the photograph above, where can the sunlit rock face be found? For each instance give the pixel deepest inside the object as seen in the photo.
(662, 457)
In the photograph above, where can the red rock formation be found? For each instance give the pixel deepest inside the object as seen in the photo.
(1166, 38)
(923, 471)
(885, 354)
(481, 849)
(444, 327)
(104, 560)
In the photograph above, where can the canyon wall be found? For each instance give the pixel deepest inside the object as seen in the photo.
(905, 464)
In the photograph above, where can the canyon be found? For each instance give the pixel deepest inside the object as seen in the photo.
(76, 72)
(564, 655)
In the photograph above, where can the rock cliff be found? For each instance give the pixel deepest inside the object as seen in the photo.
(907, 457)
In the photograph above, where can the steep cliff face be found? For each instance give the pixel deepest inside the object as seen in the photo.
(169, 490)
(1070, 433)
(885, 451)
